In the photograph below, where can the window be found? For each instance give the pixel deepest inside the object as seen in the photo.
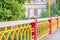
(39, 0)
(33, 0)
(42, 0)
(31, 12)
(39, 12)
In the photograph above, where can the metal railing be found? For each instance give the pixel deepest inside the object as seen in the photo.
(32, 29)
(16, 30)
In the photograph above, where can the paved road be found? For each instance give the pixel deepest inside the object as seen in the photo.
(54, 36)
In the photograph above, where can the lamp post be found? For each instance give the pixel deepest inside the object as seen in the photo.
(49, 8)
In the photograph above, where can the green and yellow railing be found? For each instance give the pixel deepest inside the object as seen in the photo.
(32, 29)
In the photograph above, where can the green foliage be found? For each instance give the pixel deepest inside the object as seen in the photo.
(53, 11)
(44, 14)
(23, 17)
(57, 7)
(11, 9)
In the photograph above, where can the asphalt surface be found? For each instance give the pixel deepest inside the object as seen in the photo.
(53, 36)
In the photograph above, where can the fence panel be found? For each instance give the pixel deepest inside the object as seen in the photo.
(42, 28)
(59, 22)
(19, 32)
(54, 24)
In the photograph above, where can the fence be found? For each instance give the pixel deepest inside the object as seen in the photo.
(32, 29)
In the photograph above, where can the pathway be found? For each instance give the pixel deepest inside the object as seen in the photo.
(54, 36)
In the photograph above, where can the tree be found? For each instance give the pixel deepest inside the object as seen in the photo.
(11, 9)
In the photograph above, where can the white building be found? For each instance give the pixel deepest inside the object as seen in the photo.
(35, 8)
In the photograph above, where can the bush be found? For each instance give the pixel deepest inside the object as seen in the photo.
(44, 14)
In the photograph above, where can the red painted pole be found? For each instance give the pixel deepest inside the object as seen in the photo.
(57, 21)
(34, 25)
(50, 25)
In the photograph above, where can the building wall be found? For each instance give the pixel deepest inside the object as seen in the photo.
(52, 1)
(35, 8)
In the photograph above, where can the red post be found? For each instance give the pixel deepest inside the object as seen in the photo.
(57, 21)
(34, 25)
(50, 25)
